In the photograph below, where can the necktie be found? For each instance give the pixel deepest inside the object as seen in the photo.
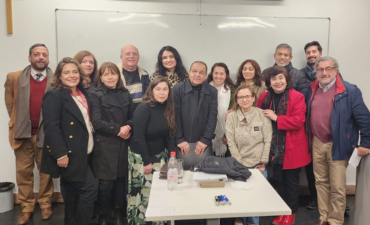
(38, 76)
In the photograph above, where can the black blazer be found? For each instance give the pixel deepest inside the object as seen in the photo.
(109, 113)
(196, 119)
(65, 134)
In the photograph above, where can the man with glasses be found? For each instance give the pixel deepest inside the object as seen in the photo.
(336, 113)
(135, 79)
(283, 57)
(196, 110)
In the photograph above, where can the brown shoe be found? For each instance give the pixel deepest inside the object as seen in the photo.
(46, 213)
(320, 222)
(25, 218)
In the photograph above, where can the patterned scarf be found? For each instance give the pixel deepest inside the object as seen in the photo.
(277, 151)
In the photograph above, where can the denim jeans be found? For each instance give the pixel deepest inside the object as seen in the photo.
(255, 219)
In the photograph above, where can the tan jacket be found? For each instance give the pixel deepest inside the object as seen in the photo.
(249, 136)
(11, 95)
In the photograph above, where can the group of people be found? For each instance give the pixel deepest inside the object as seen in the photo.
(105, 130)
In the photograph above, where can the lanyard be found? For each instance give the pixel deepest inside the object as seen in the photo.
(83, 102)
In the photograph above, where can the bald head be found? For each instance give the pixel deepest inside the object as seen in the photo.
(129, 57)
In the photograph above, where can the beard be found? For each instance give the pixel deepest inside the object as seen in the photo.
(38, 67)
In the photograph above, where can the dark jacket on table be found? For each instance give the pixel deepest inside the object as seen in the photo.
(65, 134)
(195, 120)
(299, 80)
(349, 117)
(111, 109)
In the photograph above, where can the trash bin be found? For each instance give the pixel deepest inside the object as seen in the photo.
(6, 196)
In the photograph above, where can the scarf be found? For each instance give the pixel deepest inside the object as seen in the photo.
(223, 100)
(277, 150)
(23, 121)
(311, 72)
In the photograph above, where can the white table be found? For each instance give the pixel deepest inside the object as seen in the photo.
(190, 201)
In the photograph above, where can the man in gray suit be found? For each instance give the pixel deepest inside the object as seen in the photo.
(24, 91)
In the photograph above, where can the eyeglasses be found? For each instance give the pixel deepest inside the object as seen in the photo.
(327, 69)
(244, 97)
(200, 72)
(134, 54)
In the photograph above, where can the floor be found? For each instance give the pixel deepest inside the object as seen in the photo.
(304, 216)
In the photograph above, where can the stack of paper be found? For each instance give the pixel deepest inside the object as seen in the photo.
(209, 177)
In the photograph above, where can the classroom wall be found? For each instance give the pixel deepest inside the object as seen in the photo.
(34, 21)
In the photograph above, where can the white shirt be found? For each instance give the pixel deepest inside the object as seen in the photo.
(34, 72)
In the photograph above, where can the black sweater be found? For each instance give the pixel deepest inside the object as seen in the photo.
(151, 132)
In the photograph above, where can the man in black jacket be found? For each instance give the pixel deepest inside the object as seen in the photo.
(313, 53)
(283, 56)
(196, 110)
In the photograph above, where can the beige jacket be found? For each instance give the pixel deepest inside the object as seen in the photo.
(249, 136)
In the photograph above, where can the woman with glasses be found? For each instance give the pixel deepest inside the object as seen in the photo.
(248, 134)
(249, 72)
(219, 77)
(170, 65)
(286, 109)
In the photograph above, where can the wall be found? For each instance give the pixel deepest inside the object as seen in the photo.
(34, 21)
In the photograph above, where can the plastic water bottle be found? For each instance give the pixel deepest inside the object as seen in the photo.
(172, 172)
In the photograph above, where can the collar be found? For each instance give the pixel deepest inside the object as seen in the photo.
(288, 67)
(324, 89)
(310, 68)
(246, 116)
(206, 88)
(34, 72)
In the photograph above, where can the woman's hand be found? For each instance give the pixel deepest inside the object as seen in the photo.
(224, 140)
(270, 114)
(148, 169)
(227, 113)
(63, 162)
(124, 132)
(184, 146)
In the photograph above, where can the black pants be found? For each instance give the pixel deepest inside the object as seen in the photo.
(112, 193)
(311, 180)
(288, 187)
(79, 199)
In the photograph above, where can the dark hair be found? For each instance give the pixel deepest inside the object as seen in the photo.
(81, 55)
(179, 68)
(228, 82)
(241, 87)
(274, 71)
(313, 43)
(36, 45)
(258, 77)
(169, 111)
(56, 83)
(201, 62)
(111, 67)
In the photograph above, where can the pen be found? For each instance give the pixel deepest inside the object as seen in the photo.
(217, 200)
(227, 200)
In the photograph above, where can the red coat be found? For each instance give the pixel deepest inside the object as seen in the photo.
(296, 149)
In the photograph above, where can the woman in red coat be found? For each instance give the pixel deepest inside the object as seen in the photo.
(289, 152)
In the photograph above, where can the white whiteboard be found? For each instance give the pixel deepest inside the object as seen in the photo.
(209, 38)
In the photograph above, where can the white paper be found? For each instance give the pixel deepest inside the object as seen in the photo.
(355, 159)
(200, 176)
(240, 185)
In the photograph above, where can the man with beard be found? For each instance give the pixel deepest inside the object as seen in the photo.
(24, 91)
(313, 52)
(283, 56)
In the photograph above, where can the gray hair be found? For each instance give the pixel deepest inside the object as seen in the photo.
(201, 62)
(283, 45)
(327, 58)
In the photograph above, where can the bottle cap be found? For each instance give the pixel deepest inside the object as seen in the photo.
(173, 153)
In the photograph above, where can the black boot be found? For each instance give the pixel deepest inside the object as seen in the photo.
(120, 218)
(103, 219)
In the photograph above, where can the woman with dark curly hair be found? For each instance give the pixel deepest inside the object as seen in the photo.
(153, 138)
(170, 65)
(219, 77)
(69, 140)
(249, 72)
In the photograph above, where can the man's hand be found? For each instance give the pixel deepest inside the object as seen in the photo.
(362, 151)
(148, 169)
(184, 146)
(63, 162)
(199, 149)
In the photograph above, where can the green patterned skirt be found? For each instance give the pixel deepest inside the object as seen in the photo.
(139, 186)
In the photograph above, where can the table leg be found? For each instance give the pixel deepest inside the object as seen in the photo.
(172, 222)
(213, 221)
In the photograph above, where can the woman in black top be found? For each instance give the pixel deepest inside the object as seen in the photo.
(112, 113)
(153, 138)
(69, 141)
